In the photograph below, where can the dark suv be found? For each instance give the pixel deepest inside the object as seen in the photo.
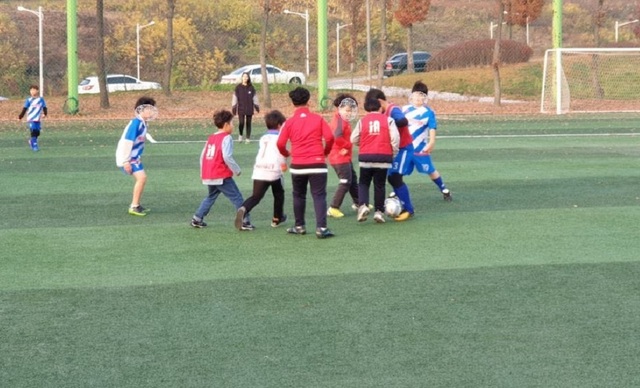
(397, 64)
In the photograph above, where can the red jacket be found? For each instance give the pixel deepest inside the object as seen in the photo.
(375, 138)
(305, 130)
(212, 164)
(342, 135)
(405, 135)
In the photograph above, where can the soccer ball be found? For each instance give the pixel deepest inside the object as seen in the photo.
(392, 207)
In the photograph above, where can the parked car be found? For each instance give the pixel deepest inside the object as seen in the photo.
(397, 64)
(116, 83)
(275, 75)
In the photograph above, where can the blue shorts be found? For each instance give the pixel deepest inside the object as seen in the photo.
(34, 126)
(407, 160)
(136, 166)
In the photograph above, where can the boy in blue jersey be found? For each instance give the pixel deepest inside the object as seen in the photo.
(423, 126)
(130, 148)
(35, 108)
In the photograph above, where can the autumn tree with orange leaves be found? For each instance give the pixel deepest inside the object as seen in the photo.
(407, 14)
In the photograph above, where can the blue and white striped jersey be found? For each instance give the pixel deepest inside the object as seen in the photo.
(421, 120)
(131, 144)
(34, 107)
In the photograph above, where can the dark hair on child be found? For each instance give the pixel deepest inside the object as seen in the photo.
(36, 87)
(299, 96)
(375, 94)
(145, 100)
(340, 97)
(274, 119)
(221, 117)
(420, 86)
(372, 105)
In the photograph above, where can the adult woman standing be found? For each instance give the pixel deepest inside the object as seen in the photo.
(244, 102)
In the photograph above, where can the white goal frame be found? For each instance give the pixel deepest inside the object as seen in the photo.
(559, 100)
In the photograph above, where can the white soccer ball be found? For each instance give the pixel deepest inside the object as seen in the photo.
(392, 207)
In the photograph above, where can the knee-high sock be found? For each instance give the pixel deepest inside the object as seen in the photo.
(403, 194)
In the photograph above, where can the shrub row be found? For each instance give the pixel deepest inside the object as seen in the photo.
(479, 53)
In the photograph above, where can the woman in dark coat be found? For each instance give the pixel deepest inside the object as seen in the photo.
(244, 102)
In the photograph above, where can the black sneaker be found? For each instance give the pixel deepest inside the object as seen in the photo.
(297, 230)
(239, 223)
(198, 224)
(247, 227)
(275, 222)
(324, 233)
(446, 195)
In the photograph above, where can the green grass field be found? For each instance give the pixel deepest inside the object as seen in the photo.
(529, 278)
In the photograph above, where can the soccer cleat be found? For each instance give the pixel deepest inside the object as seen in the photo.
(405, 215)
(379, 217)
(297, 230)
(239, 222)
(354, 207)
(334, 212)
(446, 194)
(275, 222)
(247, 227)
(324, 233)
(198, 224)
(138, 211)
(363, 212)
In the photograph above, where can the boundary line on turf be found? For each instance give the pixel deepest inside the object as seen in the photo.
(459, 137)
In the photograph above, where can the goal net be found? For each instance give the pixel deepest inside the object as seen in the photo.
(591, 80)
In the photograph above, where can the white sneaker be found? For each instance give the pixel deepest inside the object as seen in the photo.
(379, 217)
(363, 212)
(240, 138)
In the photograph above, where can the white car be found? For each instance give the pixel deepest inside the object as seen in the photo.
(275, 75)
(115, 83)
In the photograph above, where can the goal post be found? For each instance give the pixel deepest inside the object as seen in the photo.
(591, 80)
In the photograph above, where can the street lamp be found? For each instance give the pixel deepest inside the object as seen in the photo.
(338, 28)
(138, 28)
(305, 16)
(618, 25)
(40, 16)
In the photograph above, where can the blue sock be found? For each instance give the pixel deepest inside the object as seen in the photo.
(438, 181)
(403, 194)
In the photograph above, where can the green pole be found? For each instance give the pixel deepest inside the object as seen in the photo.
(323, 58)
(557, 24)
(72, 105)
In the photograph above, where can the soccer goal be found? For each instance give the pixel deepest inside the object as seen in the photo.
(591, 80)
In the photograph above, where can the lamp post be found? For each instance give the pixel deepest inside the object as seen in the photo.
(40, 16)
(338, 28)
(492, 26)
(618, 25)
(138, 28)
(305, 16)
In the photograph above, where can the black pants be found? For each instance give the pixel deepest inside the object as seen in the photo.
(379, 177)
(241, 121)
(260, 189)
(348, 184)
(318, 184)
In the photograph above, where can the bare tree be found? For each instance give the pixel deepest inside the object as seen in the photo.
(266, 96)
(102, 73)
(171, 9)
(383, 41)
(497, 91)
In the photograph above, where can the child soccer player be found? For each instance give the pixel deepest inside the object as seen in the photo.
(217, 168)
(130, 148)
(377, 136)
(311, 141)
(423, 126)
(405, 148)
(267, 172)
(35, 108)
(340, 156)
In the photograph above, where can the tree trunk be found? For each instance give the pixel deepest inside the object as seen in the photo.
(169, 64)
(383, 42)
(496, 58)
(266, 95)
(410, 65)
(102, 73)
